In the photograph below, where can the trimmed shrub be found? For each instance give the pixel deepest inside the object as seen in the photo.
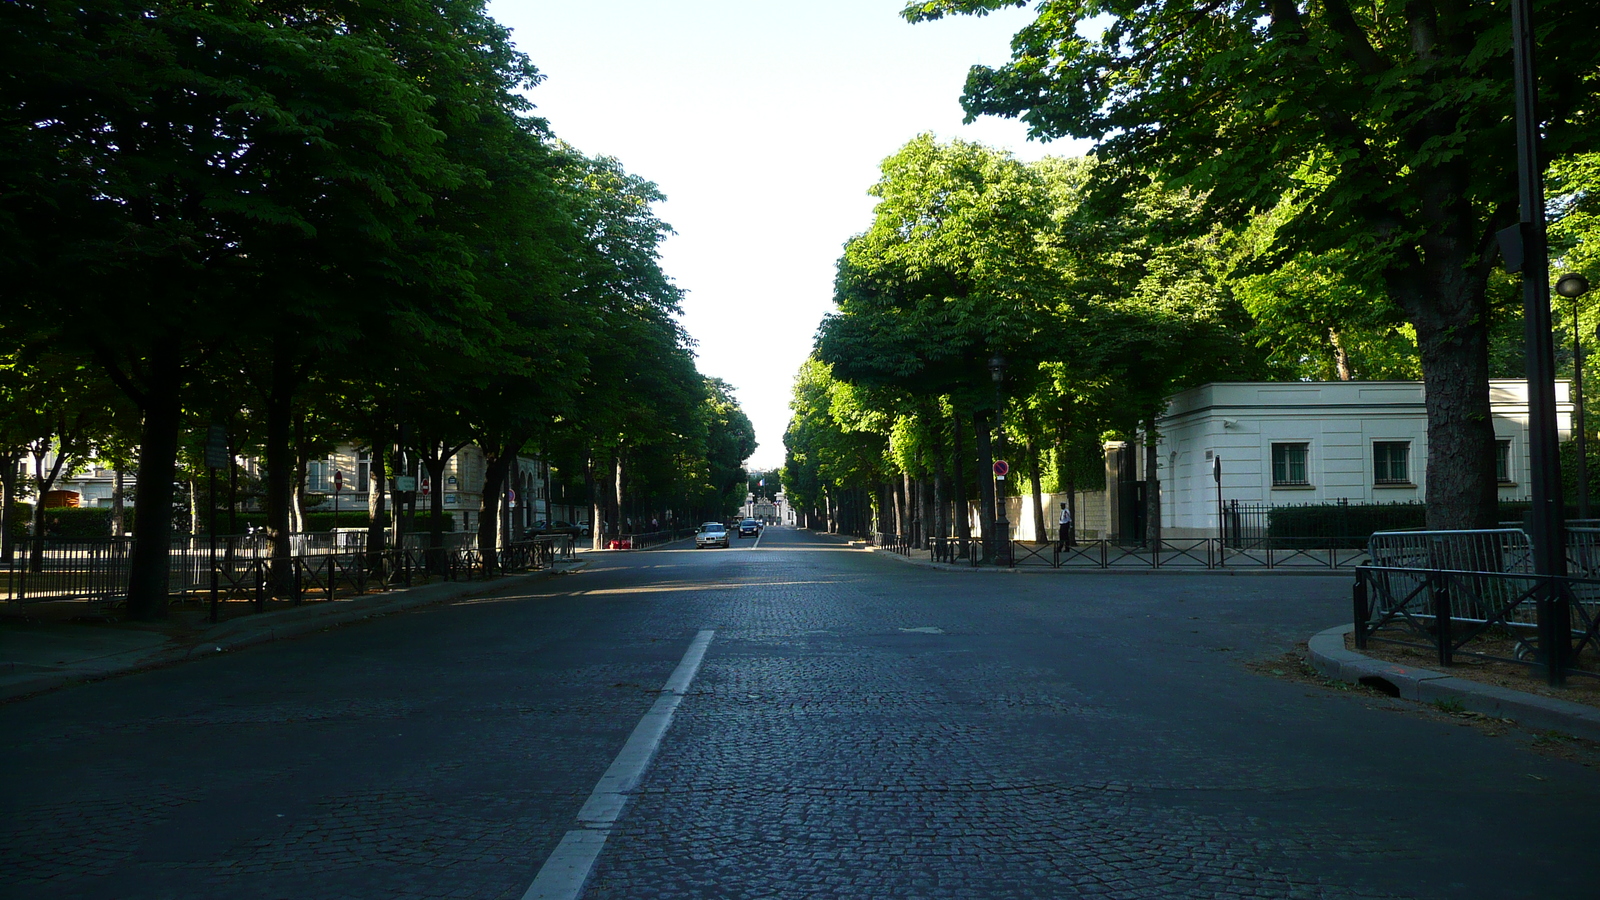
(1343, 520)
(1350, 524)
(21, 516)
(77, 523)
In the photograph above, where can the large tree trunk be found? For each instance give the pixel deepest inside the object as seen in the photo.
(1341, 356)
(44, 480)
(298, 524)
(1152, 483)
(496, 463)
(617, 497)
(8, 502)
(435, 467)
(377, 493)
(1039, 534)
(152, 506)
(958, 500)
(1442, 291)
(281, 464)
(986, 493)
(597, 509)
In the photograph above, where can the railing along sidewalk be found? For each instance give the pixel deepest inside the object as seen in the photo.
(1490, 615)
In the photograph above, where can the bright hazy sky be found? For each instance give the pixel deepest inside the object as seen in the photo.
(764, 124)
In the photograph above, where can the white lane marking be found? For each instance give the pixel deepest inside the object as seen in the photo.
(759, 535)
(564, 874)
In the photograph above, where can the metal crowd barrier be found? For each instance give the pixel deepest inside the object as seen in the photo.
(1179, 554)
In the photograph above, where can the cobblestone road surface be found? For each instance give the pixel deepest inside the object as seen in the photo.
(859, 729)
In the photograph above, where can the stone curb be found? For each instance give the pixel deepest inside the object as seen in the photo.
(1329, 657)
(244, 632)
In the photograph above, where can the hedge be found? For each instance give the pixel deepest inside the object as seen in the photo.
(75, 522)
(1353, 523)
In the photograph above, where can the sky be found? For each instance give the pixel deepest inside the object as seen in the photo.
(764, 124)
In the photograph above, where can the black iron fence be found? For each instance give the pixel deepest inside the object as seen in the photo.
(1185, 553)
(319, 566)
(1507, 616)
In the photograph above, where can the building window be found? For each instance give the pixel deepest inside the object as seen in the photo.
(1391, 462)
(317, 476)
(363, 470)
(1289, 465)
(1502, 462)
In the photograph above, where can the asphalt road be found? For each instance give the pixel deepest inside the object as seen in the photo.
(858, 728)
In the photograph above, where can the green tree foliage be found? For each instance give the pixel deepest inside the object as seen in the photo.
(326, 223)
(1391, 122)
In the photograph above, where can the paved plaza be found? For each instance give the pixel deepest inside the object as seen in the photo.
(855, 728)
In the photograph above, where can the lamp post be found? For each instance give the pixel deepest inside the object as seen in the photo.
(1002, 526)
(1572, 286)
(1525, 250)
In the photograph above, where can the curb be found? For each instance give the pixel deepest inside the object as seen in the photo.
(274, 626)
(1329, 656)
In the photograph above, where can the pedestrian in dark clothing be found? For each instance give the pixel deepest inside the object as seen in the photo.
(1066, 538)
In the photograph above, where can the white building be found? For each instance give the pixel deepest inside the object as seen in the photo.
(1317, 442)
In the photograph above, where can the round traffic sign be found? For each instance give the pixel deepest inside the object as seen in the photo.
(1002, 468)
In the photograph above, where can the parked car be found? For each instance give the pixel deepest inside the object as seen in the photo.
(711, 534)
(749, 528)
(557, 527)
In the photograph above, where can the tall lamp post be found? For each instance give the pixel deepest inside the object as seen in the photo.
(1526, 251)
(1572, 286)
(1002, 526)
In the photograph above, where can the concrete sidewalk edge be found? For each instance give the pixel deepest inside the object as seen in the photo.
(1329, 657)
(243, 632)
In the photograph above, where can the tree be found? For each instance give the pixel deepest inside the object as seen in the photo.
(1394, 122)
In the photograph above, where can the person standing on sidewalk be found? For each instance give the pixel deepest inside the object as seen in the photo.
(1065, 537)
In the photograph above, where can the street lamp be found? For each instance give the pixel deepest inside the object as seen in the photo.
(1525, 250)
(1002, 526)
(1572, 286)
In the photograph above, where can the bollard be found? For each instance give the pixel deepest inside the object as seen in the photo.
(1441, 619)
(1363, 613)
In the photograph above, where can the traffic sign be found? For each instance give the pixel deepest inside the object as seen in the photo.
(338, 481)
(427, 487)
(1001, 468)
(405, 483)
(217, 448)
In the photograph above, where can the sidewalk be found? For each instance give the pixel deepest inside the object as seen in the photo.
(37, 656)
(1330, 657)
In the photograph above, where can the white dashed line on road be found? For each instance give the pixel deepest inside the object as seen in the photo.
(564, 874)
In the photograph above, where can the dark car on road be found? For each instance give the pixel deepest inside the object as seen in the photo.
(749, 528)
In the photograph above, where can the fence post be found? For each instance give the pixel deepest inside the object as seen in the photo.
(1363, 613)
(1441, 619)
(297, 585)
(261, 586)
